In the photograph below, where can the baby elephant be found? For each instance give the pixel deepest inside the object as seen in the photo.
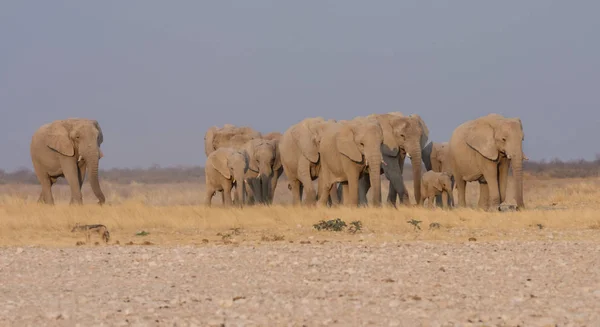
(435, 183)
(224, 168)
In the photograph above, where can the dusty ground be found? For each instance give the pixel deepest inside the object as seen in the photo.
(255, 266)
(504, 283)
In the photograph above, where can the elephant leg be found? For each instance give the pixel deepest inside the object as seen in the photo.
(345, 191)
(250, 199)
(296, 191)
(325, 187)
(352, 192)
(444, 200)
(503, 167)
(484, 195)
(333, 195)
(227, 194)
(451, 192)
(461, 186)
(392, 195)
(438, 200)
(71, 172)
(364, 184)
(210, 192)
(340, 192)
(304, 176)
(493, 191)
(432, 202)
(46, 183)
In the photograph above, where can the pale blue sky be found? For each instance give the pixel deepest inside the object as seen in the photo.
(157, 74)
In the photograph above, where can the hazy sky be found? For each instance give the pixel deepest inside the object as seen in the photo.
(157, 74)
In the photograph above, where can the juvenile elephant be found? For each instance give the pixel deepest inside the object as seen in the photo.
(482, 150)
(402, 135)
(228, 136)
(67, 148)
(299, 148)
(435, 184)
(225, 168)
(435, 158)
(349, 149)
(264, 162)
(274, 136)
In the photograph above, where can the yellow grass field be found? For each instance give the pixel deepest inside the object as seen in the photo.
(173, 214)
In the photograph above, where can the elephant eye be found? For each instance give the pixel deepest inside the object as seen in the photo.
(504, 139)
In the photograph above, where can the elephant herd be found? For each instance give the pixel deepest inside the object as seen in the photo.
(346, 157)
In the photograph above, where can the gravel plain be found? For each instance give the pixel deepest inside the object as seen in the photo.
(503, 283)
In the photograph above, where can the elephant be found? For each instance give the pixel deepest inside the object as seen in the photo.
(435, 184)
(402, 136)
(435, 158)
(224, 169)
(264, 161)
(348, 150)
(67, 148)
(228, 136)
(482, 150)
(300, 158)
(275, 136)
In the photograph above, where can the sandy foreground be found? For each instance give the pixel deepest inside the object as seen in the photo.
(337, 283)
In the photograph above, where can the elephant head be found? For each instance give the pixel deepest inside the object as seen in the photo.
(81, 138)
(306, 134)
(411, 135)
(494, 136)
(360, 141)
(232, 164)
(437, 156)
(228, 136)
(263, 159)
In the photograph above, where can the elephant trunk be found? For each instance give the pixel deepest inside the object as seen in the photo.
(265, 188)
(517, 167)
(393, 172)
(415, 159)
(374, 160)
(92, 158)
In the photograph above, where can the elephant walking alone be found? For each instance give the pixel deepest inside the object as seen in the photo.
(67, 148)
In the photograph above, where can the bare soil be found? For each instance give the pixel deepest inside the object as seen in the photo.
(337, 283)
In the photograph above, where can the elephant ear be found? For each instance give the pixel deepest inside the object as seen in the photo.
(277, 162)
(219, 162)
(209, 136)
(304, 138)
(481, 138)
(58, 139)
(100, 135)
(250, 148)
(346, 144)
(428, 154)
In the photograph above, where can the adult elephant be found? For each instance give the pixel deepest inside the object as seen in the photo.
(300, 158)
(482, 150)
(67, 148)
(349, 150)
(230, 136)
(276, 137)
(263, 161)
(435, 158)
(402, 135)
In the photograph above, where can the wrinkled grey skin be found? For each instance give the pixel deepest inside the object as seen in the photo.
(67, 148)
(435, 157)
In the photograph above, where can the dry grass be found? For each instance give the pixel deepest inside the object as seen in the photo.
(174, 214)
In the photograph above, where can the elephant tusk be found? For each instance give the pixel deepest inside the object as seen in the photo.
(79, 159)
(383, 163)
(508, 156)
(408, 155)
